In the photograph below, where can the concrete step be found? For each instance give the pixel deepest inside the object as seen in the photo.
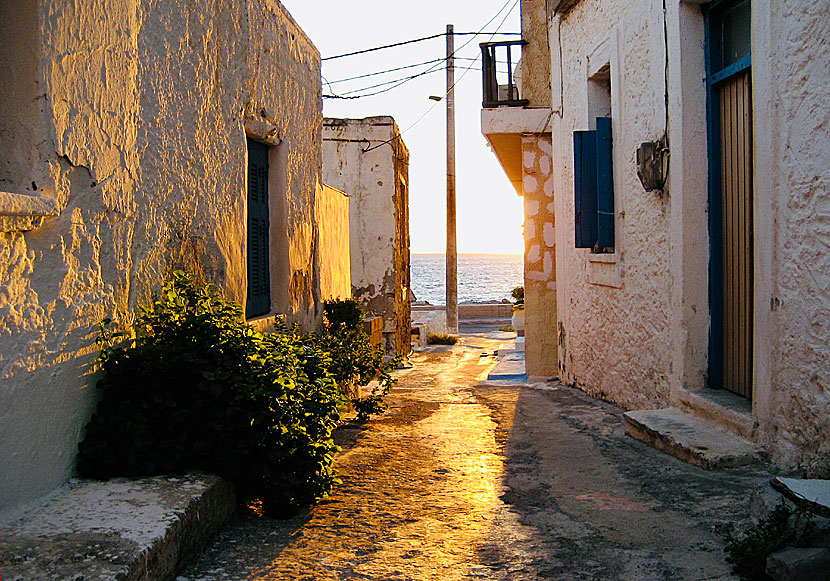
(517, 345)
(511, 367)
(145, 528)
(691, 439)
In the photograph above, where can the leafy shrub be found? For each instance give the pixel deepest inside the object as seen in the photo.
(197, 388)
(783, 527)
(441, 339)
(343, 313)
(355, 362)
(518, 295)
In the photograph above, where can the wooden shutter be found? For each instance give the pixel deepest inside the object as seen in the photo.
(605, 184)
(259, 285)
(585, 188)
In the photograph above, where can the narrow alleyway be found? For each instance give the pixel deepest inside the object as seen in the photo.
(462, 479)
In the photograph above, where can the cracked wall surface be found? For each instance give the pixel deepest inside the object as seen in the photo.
(130, 116)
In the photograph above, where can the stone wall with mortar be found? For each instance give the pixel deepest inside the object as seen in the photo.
(132, 122)
(364, 158)
(613, 308)
(332, 216)
(539, 256)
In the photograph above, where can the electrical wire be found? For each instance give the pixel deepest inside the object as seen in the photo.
(429, 110)
(383, 84)
(473, 35)
(383, 72)
(423, 38)
(338, 56)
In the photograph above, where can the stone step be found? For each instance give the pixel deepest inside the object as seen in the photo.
(691, 439)
(145, 528)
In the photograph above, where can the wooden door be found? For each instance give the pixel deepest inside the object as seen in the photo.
(735, 101)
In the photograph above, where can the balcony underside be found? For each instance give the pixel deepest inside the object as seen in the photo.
(503, 128)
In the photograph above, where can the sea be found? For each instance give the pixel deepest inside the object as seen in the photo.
(481, 277)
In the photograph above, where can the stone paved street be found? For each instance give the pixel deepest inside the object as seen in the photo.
(462, 479)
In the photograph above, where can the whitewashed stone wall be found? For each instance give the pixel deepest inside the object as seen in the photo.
(634, 325)
(335, 259)
(791, 100)
(613, 308)
(129, 118)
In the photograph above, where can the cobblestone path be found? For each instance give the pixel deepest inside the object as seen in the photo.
(462, 479)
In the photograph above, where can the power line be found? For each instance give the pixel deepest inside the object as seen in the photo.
(431, 107)
(328, 58)
(423, 38)
(433, 68)
(385, 83)
(382, 72)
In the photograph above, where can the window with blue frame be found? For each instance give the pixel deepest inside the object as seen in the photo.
(594, 188)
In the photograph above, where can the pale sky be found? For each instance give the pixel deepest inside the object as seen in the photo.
(489, 211)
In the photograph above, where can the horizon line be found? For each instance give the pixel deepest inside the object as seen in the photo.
(489, 253)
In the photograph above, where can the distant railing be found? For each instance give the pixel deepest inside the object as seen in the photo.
(500, 94)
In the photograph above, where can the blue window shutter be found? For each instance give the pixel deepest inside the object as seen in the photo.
(605, 184)
(585, 188)
(259, 285)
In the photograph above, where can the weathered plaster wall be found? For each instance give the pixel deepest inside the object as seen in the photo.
(333, 220)
(364, 158)
(790, 68)
(137, 133)
(540, 256)
(613, 308)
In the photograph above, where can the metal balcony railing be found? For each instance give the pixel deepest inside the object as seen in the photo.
(497, 94)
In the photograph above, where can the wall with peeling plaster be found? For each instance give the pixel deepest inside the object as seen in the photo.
(377, 180)
(129, 118)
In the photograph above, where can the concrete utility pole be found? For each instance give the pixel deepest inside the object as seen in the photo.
(452, 250)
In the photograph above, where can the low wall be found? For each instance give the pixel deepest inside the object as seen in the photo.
(472, 311)
(425, 322)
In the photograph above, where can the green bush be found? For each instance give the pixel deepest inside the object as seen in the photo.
(441, 339)
(355, 362)
(197, 388)
(518, 295)
(783, 527)
(343, 313)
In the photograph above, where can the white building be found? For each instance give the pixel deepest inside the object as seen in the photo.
(702, 286)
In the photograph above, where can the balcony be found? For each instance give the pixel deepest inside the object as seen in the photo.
(502, 87)
(512, 108)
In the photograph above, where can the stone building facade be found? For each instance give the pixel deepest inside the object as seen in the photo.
(127, 138)
(368, 159)
(711, 296)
